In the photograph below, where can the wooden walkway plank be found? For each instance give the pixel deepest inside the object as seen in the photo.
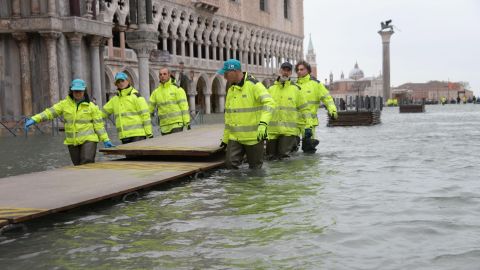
(28, 196)
(199, 142)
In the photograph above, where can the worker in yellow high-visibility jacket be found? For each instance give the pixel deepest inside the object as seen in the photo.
(289, 117)
(248, 110)
(314, 93)
(171, 104)
(83, 123)
(132, 117)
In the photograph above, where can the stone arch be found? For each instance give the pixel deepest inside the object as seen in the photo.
(203, 89)
(218, 94)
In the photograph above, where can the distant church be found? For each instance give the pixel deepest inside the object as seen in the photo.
(355, 84)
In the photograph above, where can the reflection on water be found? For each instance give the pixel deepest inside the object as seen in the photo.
(401, 195)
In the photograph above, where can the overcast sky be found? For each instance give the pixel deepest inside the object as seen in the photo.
(433, 39)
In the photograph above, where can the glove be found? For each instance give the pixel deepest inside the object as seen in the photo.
(262, 131)
(308, 133)
(108, 144)
(223, 145)
(28, 122)
(333, 115)
(149, 136)
(188, 126)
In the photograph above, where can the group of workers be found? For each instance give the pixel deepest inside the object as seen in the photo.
(279, 115)
(283, 115)
(84, 126)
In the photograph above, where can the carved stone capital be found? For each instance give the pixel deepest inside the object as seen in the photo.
(96, 41)
(21, 37)
(50, 35)
(74, 38)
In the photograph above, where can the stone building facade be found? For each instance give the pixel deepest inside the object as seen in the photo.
(46, 43)
(431, 91)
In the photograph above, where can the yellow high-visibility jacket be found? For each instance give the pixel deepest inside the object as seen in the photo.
(172, 105)
(132, 116)
(314, 92)
(83, 121)
(247, 104)
(291, 112)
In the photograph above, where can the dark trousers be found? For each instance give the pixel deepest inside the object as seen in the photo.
(83, 154)
(175, 130)
(282, 146)
(236, 151)
(133, 139)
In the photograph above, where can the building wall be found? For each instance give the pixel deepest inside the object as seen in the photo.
(267, 38)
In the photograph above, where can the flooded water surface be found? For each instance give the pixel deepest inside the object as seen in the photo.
(401, 195)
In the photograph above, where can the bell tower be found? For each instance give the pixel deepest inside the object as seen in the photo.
(311, 57)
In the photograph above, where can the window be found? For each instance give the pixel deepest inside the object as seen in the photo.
(263, 5)
(286, 9)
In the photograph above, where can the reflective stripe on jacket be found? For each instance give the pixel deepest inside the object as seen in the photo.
(171, 102)
(291, 111)
(83, 122)
(314, 92)
(132, 117)
(247, 104)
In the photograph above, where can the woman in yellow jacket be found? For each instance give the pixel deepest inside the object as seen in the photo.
(83, 123)
(132, 117)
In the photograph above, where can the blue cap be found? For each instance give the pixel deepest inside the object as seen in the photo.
(230, 65)
(121, 76)
(78, 85)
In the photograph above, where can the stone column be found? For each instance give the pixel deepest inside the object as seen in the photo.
(52, 9)
(214, 52)
(122, 44)
(199, 49)
(207, 51)
(221, 103)
(75, 40)
(182, 46)
(191, 101)
(208, 107)
(164, 42)
(26, 83)
(16, 8)
(110, 47)
(229, 56)
(51, 41)
(190, 49)
(35, 7)
(386, 61)
(220, 49)
(143, 41)
(95, 43)
(174, 44)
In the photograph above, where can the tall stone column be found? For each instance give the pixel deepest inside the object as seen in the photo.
(75, 40)
(191, 101)
(208, 107)
(16, 8)
(95, 42)
(220, 49)
(52, 8)
(51, 41)
(221, 103)
(386, 34)
(35, 7)
(26, 83)
(143, 42)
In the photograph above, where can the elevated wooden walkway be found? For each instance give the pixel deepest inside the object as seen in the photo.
(29, 196)
(354, 118)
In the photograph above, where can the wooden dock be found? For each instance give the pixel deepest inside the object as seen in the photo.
(199, 142)
(29, 196)
(355, 118)
(411, 108)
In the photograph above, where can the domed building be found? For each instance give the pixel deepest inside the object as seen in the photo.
(355, 84)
